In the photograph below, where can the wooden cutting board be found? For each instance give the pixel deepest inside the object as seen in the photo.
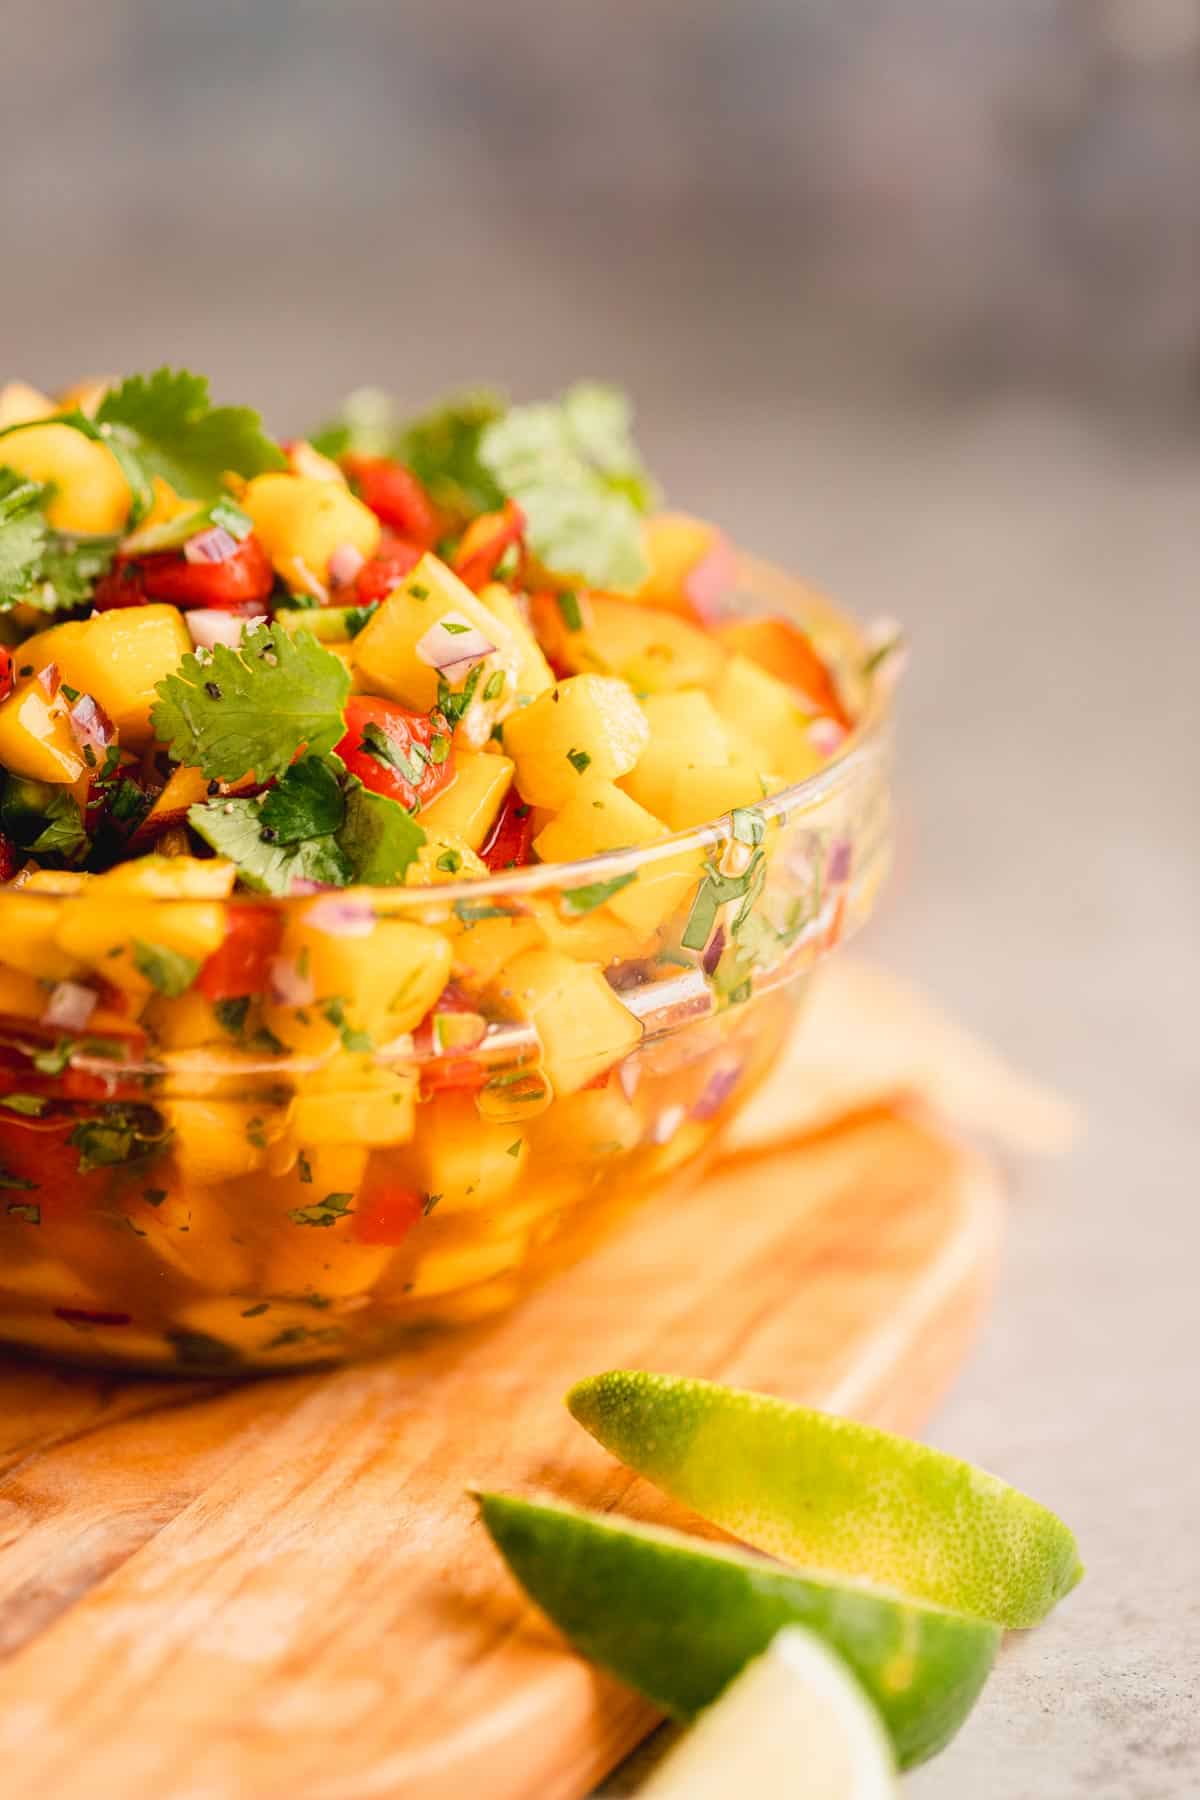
(215, 1592)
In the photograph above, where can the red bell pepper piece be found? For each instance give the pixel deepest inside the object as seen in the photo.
(392, 750)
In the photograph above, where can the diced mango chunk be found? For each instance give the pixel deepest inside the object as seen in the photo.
(600, 817)
(355, 1101)
(766, 712)
(36, 739)
(686, 731)
(589, 725)
(370, 978)
(534, 674)
(467, 809)
(118, 658)
(692, 564)
(91, 494)
(654, 651)
(465, 1161)
(121, 921)
(302, 519)
(583, 1027)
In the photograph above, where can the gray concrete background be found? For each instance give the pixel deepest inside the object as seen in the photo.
(909, 296)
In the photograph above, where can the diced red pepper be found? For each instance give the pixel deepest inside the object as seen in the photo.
(241, 966)
(395, 496)
(508, 844)
(40, 1167)
(392, 750)
(386, 570)
(8, 858)
(239, 584)
(386, 1211)
(7, 676)
(484, 542)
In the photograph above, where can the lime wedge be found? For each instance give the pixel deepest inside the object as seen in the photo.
(831, 1494)
(794, 1725)
(677, 1619)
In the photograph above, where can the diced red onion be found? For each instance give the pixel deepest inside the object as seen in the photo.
(717, 1090)
(301, 884)
(629, 1074)
(453, 652)
(288, 986)
(70, 1006)
(344, 564)
(711, 581)
(210, 625)
(341, 918)
(48, 679)
(712, 953)
(90, 723)
(667, 1124)
(826, 736)
(216, 545)
(841, 856)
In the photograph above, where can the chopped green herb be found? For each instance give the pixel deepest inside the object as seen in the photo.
(154, 1196)
(385, 749)
(747, 825)
(71, 693)
(439, 748)
(428, 1203)
(450, 862)
(586, 899)
(256, 1312)
(119, 1134)
(54, 1061)
(304, 1167)
(453, 705)
(471, 911)
(197, 1350)
(256, 1135)
(170, 971)
(15, 1181)
(515, 1149)
(231, 1014)
(33, 1105)
(572, 615)
(335, 1011)
(495, 686)
(579, 760)
(325, 1213)
(26, 1210)
(306, 803)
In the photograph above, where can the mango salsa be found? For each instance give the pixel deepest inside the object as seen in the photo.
(399, 868)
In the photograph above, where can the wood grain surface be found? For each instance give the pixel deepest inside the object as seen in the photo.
(216, 1592)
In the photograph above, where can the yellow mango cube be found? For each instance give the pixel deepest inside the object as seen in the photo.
(355, 1101)
(118, 658)
(593, 937)
(302, 519)
(442, 858)
(582, 1025)
(482, 947)
(588, 725)
(121, 918)
(91, 494)
(654, 651)
(765, 711)
(218, 1140)
(700, 795)
(392, 655)
(36, 739)
(467, 809)
(372, 978)
(600, 817)
(466, 1161)
(534, 674)
(29, 936)
(686, 731)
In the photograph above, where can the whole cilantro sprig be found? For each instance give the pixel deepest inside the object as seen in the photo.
(250, 710)
(575, 472)
(23, 535)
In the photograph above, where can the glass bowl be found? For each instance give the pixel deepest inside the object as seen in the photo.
(310, 1172)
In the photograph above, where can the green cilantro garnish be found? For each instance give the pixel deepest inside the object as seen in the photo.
(568, 606)
(379, 837)
(450, 862)
(586, 899)
(231, 1014)
(439, 748)
(325, 1213)
(304, 1167)
(32, 1105)
(495, 686)
(307, 803)
(8, 1180)
(234, 828)
(515, 1149)
(119, 1134)
(335, 1011)
(453, 705)
(43, 818)
(170, 971)
(23, 535)
(27, 1210)
(167, 424)
(747, 825)
(428, 1203)
(579, 760)
(251, 709)
(453, 628)
(573, 469)
(715, 891)
(385, 749)
(471, 911)
(197, 1350)
(55, 1060)
(154, 1196)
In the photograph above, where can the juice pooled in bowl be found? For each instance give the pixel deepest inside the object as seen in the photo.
(413, 849)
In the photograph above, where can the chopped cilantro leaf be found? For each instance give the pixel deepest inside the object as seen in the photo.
(747, 825)
(231, 1014)
(586, 899)
(55, 1060)
(579, 760)
(43, 818)
(23, 535)
(325, 1213)
(170, 971)
(32, 1105)
(352, 1039)
(379, 838)
(234, 828)
(119, 1134)
(495, 686)
(450, 862)
(251, 709)
(385, 749)
(27, 1210)
(307, 803)
(568, 606)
